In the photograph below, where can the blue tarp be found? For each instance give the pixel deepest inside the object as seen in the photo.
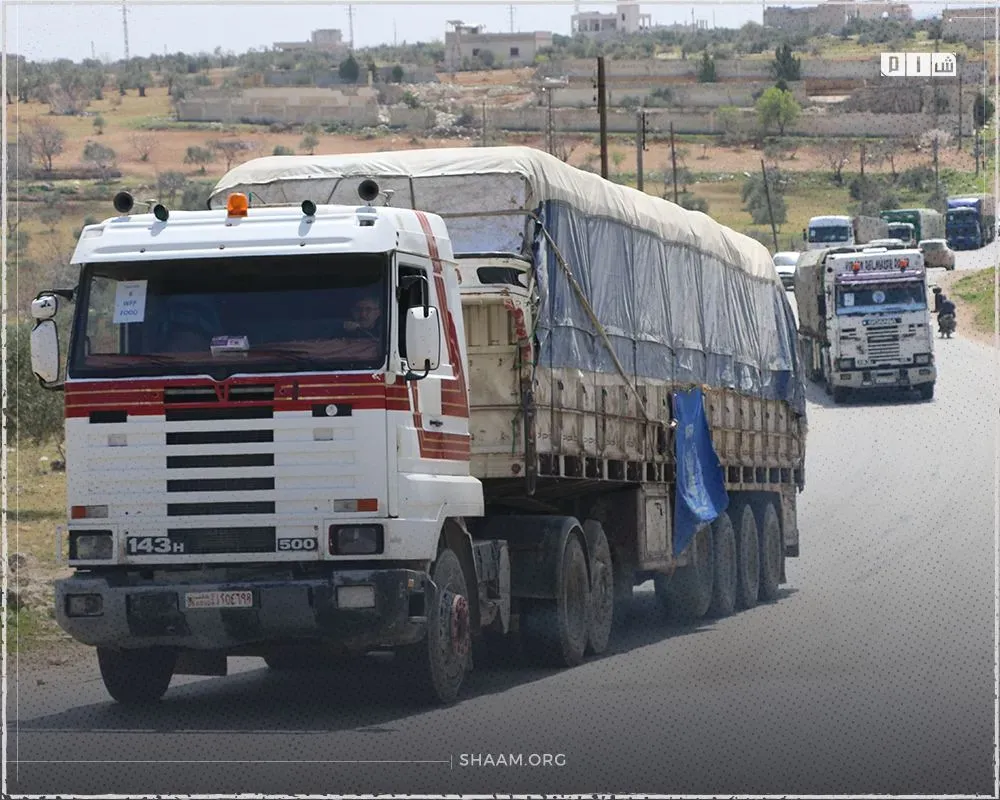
(701, 489)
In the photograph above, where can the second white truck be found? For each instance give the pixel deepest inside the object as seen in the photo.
(840, 231)
(864, 322)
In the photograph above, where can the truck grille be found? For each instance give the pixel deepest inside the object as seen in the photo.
(216, 485)
(883, 344)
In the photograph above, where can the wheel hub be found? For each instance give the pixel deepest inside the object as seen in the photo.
(459, 625)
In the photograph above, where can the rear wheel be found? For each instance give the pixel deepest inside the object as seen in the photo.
(724, 588)
(136, 677)
(747, 560)
(688, 593)
(554, 632)
(437, 665)
(770, 555)
(926, 391)
(602, 589)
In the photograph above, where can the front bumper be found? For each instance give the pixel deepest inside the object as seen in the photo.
(884, 377)
(155, 614)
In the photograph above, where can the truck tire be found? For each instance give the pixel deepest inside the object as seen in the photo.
(770, 555)
(136, 677)
(840, 394)
(624, 593)
(688, 593)
(724, 588)
(437, 665)
(554, 632)
(926, 391)
(747, 560)
(602, 588)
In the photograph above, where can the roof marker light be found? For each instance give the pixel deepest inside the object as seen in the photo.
(237, 205)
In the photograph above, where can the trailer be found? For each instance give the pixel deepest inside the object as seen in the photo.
(447, 397)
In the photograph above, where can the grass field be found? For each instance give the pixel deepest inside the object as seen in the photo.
(978, 291)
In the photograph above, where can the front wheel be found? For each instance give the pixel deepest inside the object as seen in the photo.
(136, 677)
(926, 391)
(437, 665)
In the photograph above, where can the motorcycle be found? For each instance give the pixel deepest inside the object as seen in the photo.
(946, 325)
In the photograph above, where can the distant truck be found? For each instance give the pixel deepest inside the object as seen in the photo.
(905, 232)
(864, 322)
(836, 231)
(970, 222)
(927, 223)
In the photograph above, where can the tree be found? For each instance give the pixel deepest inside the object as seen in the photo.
(777, 107)
(349, 70)
(309, 143)
(488, 58)
(231, 149)
(755, 197)
(168, 184)
(142, 145)
(195, 196)
(99, 125)
(199, 156)
(982, 110)
(104, 158)
(886, 150)
(785, 66)
(397, 74)
(838, 154)
(47, 142)
(706, 70)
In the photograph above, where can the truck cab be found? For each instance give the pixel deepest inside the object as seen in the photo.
(829, 231)
(866, 322)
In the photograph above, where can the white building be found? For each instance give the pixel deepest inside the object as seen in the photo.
(625, 19)
(508, 49)
(329, 40)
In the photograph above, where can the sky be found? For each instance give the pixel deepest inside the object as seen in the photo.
(50, 29)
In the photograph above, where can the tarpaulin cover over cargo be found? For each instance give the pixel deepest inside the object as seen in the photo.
(681, 297)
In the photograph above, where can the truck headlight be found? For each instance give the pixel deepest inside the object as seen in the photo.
(90, 545)
(845, 363)
(922, 358)
(356, 540)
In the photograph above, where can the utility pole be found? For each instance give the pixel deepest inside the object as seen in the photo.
(125, 28)
(550, 138)
(511, 9)
(602, 111)
(640, 145)
(673, 161)
(770, 213)
(350, 24)
(862, 159)
(958, 66)
(484, 122)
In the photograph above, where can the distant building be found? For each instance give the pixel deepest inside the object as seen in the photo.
(969, 25)
(508, 49)
(831, 17)
(329, 40)
(625, 19)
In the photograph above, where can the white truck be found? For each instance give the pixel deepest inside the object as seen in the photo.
(839, 231)
(864, 321)
(300, 427)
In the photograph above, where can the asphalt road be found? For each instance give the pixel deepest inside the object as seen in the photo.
(872, 674)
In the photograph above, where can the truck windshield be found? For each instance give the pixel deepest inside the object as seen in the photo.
(231, 315)
(869, 297)
(829, 233)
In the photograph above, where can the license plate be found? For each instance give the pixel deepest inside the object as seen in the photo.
(885, 379)
(239, 599)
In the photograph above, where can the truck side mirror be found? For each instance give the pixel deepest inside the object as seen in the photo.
(423, 338)
(45, 351)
